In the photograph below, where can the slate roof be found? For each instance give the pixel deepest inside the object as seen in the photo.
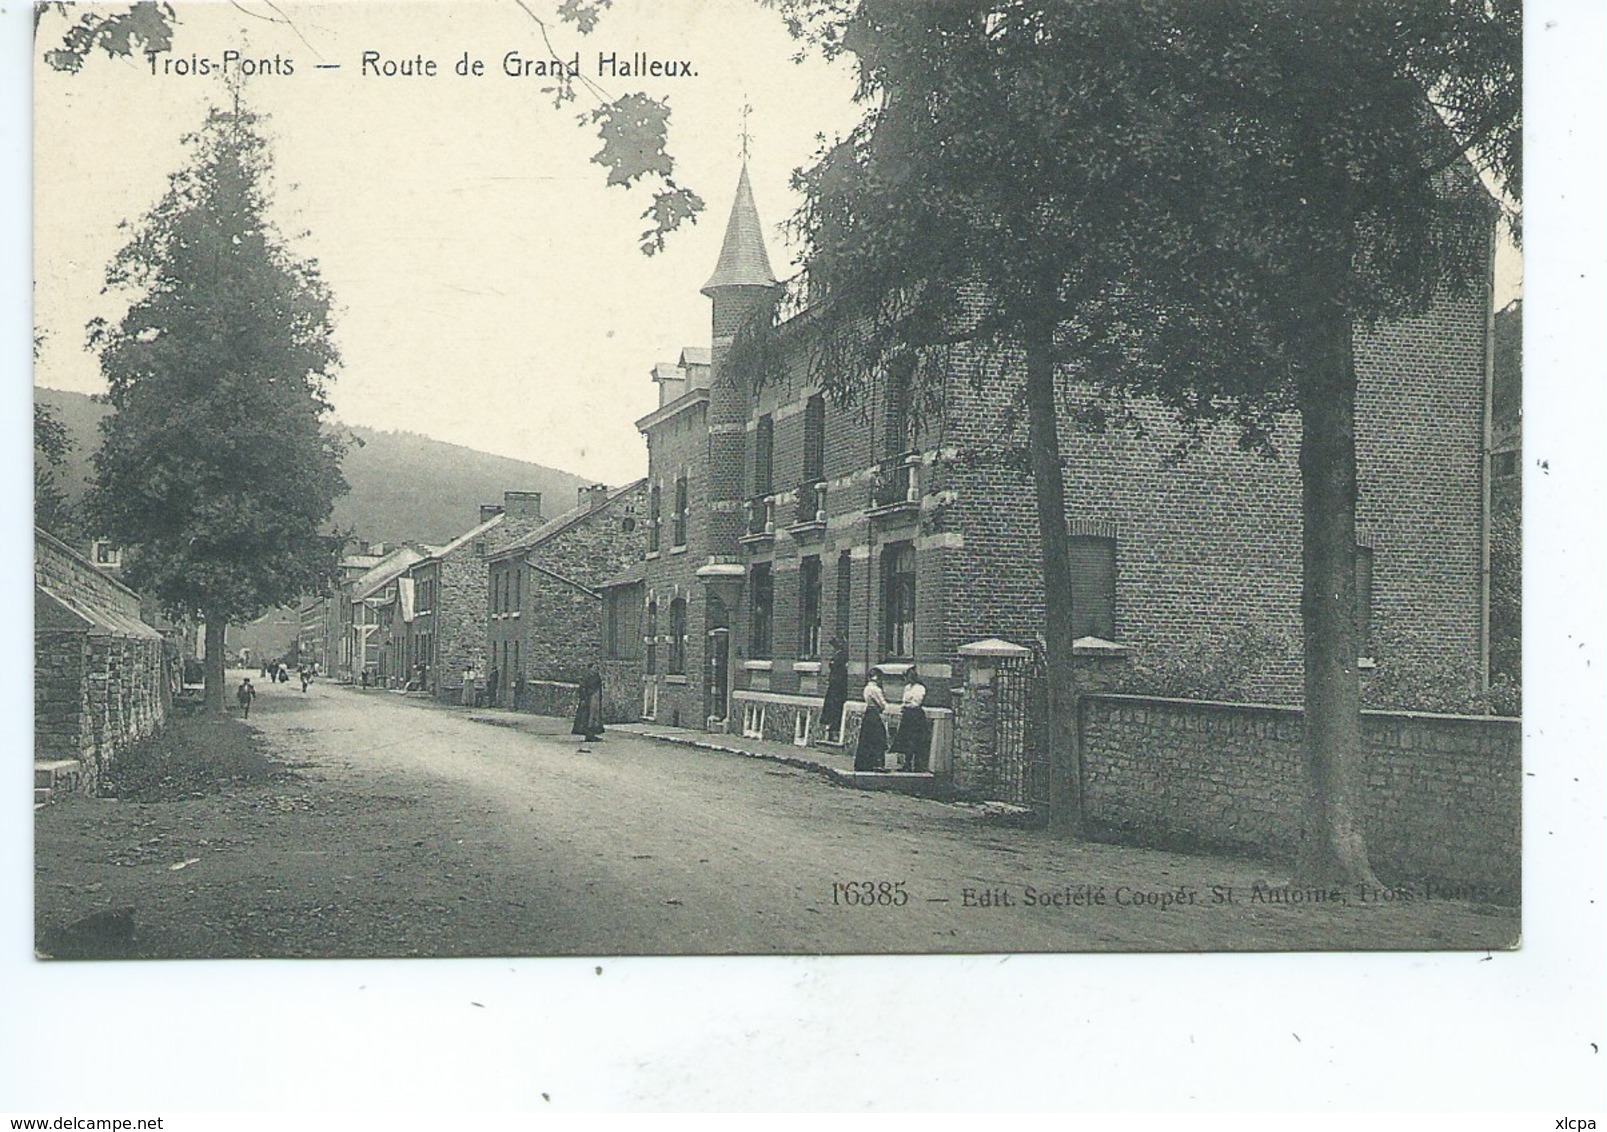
(743, 261)
(563, 522)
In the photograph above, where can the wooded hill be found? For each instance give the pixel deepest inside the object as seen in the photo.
(404, 486)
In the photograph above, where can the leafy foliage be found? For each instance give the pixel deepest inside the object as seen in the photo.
(213, 472)
(1221, 665)
(147, 24)
(1198, 204)
(52, 508)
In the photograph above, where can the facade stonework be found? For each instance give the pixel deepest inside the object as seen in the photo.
(104, 679)
(544, 618)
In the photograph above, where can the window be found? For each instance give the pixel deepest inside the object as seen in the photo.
(845, 591)
(678, 637)
(762, 587)
(1093, 586)
(680, 511)
(764, 451)
(898, 599)
(896, 430)
(651, 665)
(655, 504)
(107, 553)
(809, 607)
(814, 440)
(1364, 601)
(518, 588)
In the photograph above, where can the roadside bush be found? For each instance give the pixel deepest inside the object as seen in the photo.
(1238, 666)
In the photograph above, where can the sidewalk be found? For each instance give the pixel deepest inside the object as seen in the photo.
(834, 763)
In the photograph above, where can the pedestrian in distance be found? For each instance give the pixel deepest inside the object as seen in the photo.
(245, 693)
(306, 678)
(493, 680)
(914, 733)
(589, 706)
(471, 688)
(871, 753)
(831, 712)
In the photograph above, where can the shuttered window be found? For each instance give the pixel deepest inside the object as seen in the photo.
(1093, 587)
(764, 454)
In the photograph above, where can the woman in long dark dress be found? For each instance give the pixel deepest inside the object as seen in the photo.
(871, 753)
(831, 712)
(589, 706)
(914, 733)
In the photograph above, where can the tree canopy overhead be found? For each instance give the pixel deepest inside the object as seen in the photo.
(1197, 203)
(214, 472)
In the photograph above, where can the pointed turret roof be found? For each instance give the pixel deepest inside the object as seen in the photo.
(743, 260)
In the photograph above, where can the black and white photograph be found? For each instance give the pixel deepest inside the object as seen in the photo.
(532, 481)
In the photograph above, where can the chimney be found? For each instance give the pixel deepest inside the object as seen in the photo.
(489, 511)
(525, 505)
(594, 496)
(362, 546)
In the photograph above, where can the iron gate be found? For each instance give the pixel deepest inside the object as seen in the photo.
(1021, 753)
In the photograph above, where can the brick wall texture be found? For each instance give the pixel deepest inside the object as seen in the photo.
(1441, 802)
(1203, 547)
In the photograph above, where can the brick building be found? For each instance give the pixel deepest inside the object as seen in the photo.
(446, 633)
(681, 633)
(545, 618)
(102, 677)
(910, 534)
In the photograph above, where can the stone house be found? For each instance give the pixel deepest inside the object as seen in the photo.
(909, 531)
(103, 678)
(360, 604)
(544, 620)
(450, 597)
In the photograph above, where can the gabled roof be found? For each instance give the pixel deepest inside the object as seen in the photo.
(743, 261)
(563, 522)
(466, 537)
(696, 356)
(386, 572)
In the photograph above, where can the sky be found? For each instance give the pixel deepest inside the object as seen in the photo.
(488, 283)
(489, 288)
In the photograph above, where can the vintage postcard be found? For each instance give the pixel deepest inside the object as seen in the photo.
(524, 480)
(661, 620)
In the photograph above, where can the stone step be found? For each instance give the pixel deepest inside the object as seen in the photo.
(50, 775)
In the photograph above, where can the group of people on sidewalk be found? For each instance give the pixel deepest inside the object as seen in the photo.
(912, 741)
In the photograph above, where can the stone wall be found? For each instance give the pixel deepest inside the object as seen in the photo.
(103, 678)
(1441, 799)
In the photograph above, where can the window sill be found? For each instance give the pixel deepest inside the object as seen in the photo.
(1365, 663)
(806, 667)
(675, 678)
(759, 665)
(678, 549)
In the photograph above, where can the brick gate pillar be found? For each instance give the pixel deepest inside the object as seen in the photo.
(976, 713)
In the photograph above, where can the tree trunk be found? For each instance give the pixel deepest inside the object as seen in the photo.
(1043, 443)
(216, 701)
(1332, 850)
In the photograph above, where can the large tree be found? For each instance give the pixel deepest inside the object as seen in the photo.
(214, 471)
(1200, 203)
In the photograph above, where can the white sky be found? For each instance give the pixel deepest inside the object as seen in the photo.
(489, 287)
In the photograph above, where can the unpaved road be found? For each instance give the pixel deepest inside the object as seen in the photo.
(408, 829)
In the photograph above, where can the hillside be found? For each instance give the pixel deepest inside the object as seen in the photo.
(403, 485)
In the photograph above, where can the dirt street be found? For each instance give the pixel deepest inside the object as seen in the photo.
(402, 828)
